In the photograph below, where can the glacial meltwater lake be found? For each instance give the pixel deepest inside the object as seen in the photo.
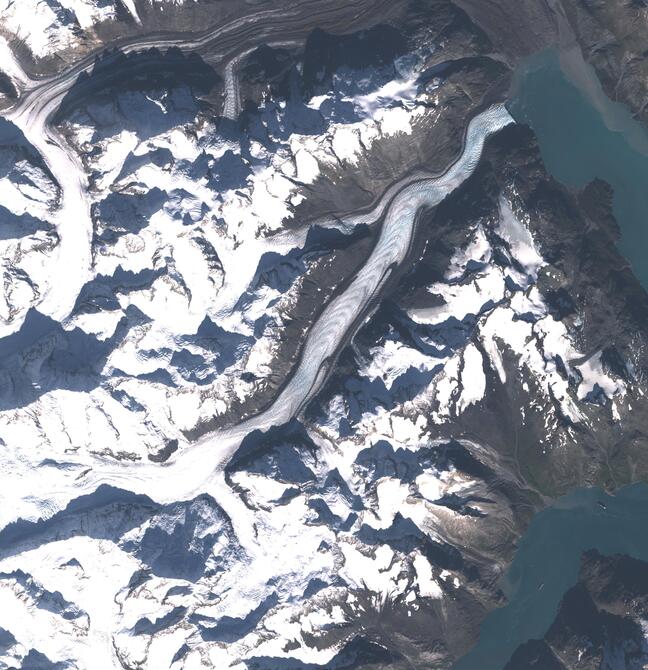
(582, 134)
(547, 561)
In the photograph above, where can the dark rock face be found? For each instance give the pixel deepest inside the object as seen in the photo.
(613, 39)
(610, 34)
(600, 620)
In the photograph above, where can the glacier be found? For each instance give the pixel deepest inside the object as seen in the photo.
(237, 408)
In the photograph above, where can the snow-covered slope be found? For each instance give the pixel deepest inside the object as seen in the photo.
(48, 26)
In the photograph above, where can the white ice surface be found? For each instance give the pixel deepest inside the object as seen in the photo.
(593, 374)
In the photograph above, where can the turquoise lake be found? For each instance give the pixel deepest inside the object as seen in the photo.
(547, 561)
(582, 135)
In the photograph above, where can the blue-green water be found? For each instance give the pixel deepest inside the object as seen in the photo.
(582, 134)
(547, 561)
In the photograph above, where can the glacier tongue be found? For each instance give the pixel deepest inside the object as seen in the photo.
(194, 469)
(44, 499)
